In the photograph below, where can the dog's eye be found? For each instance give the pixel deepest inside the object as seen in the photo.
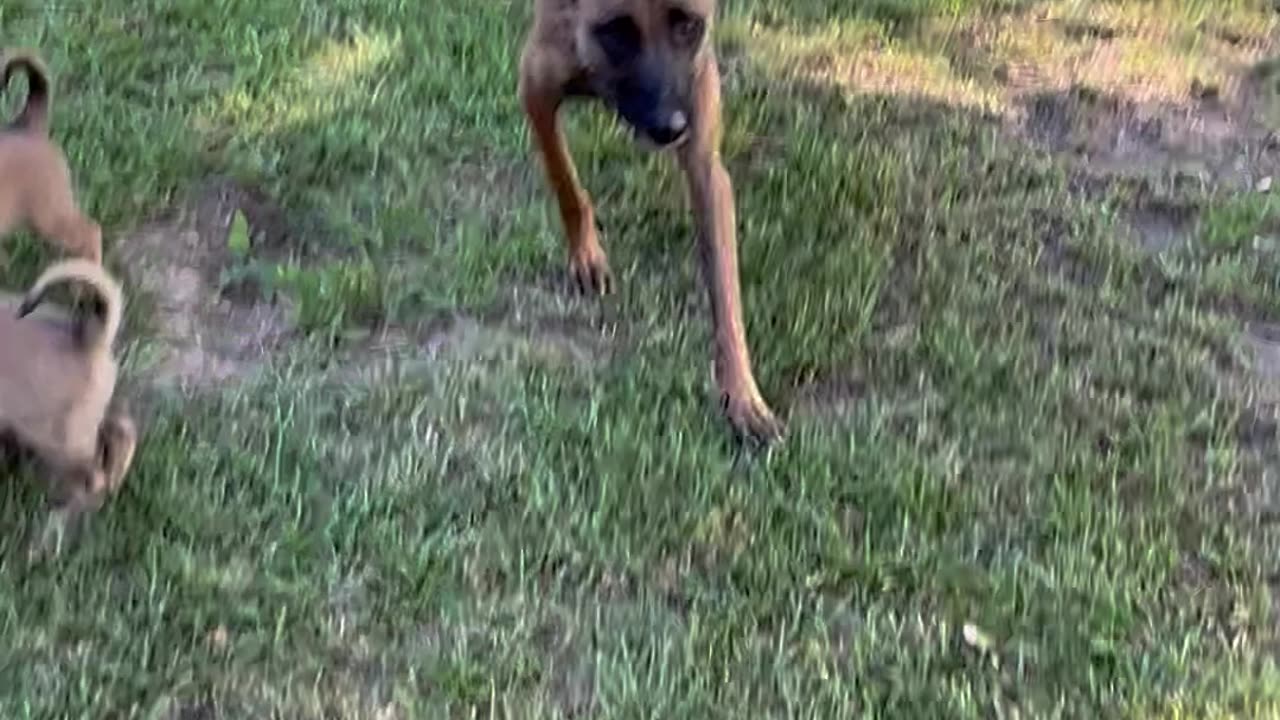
(686, 28)
(619, 38)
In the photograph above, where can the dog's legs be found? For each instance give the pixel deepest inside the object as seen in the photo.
(588, 264)
(711, 195)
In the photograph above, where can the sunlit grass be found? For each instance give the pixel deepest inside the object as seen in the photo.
(332, 79)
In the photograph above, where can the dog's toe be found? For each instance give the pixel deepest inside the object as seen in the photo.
(591, 276)
(753, 421)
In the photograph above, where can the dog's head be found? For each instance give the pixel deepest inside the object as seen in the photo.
(644, 56)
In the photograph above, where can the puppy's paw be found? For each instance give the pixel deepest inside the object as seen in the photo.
(53, 537)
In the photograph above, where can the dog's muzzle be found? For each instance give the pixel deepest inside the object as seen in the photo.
(662, 135)
(646, 103)
(670, 131)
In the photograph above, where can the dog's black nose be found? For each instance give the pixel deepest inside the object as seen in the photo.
(672, 129)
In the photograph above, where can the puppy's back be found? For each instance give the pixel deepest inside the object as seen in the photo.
(43, 371)
(33, 172)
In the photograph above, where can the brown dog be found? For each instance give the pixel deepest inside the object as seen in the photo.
(35, 184)
(652, 62)
(57, 386)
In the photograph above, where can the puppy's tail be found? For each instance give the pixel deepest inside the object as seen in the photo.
(34, 116)
(109, 306)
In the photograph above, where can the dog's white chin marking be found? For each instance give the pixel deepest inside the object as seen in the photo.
(646, 144)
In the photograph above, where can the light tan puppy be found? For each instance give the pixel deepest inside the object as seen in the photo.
(57, 387)
(35, 183)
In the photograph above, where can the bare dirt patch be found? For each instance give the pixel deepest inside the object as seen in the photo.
(1123, 108)
(201, 336)
(1119, 95)
(1109, 134)
(208, 328)
(1201, 145)
(1158, 225)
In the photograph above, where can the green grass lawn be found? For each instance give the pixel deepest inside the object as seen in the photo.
(1029, 469)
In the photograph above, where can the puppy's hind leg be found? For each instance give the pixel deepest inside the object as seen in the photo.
(56, 216)
(74, 232)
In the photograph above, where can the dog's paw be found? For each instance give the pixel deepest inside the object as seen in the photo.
(590, 274)
(751, 418)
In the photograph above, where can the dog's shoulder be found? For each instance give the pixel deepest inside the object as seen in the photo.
(555, 22)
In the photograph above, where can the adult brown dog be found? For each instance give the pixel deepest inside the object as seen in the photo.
(57, 387)
(35, 183)
(652, 62)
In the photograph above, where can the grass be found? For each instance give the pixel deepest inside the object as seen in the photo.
(1026, 470)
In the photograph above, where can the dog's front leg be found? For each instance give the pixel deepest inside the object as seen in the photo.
(541, 99)
(711, 195)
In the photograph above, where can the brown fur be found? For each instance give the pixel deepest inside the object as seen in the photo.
(57, 386)
(35, 183)
(652, 61)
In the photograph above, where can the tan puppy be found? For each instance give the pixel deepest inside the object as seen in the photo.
(652, 62)
(57, 382)
(35, 184)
